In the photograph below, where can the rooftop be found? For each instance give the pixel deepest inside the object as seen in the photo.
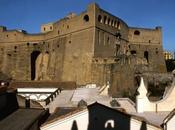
(153, 117)
(21, 119)
(70, 98)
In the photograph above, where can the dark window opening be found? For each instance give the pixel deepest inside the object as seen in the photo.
(100, 19)
(33, 57)
(27, 44)
(69, 42)
(7, 35)
(15, 47)
(115, 23)
(58, 46)
(133, 52)
(105, 18)
(109, 21)
(112, 22)
(149, 41)
(118, 25)
(157, 51)
(9, 54)
(44, 29)
(116, 60)
(86, 18)
(146, 56)
(50, 27)
(58, 32)
(35, 44)
(136, 32)
(118, 35)
(67, 26)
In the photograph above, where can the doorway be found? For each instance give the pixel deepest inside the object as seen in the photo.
(34, 56)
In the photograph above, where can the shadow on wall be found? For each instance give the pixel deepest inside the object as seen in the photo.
(74, 125)
(143, 126)
(104, 118)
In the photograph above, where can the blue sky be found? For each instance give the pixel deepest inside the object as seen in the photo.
(30, 14)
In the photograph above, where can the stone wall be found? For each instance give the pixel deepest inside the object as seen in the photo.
(81, 48)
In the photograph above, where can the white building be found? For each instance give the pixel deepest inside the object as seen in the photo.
(44, 96)
(144, 105)
(98, 117)
(169, 121)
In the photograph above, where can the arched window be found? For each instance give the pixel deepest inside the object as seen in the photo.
(115, 23)
(136, 32)
(109, 21)
(109, 124)
(146, 56)
(112, 22)
(118, 25)
(105, 19)
(86, 18)
(99, 18)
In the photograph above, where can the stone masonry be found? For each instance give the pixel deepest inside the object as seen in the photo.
(92, 47)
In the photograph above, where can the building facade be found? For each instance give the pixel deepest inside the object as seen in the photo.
(168, 55)
(98, 117)
(92, 47)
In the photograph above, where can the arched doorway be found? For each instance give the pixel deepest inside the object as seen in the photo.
(33, 58)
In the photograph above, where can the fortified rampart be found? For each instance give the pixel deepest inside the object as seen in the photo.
(92, 47)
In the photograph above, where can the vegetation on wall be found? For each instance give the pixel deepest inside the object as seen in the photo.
(170, 64)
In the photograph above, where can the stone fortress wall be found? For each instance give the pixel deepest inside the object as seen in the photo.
(92, 47)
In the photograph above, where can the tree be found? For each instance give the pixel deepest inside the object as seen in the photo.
(170, 65)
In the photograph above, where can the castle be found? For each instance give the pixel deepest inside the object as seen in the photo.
(92, 47)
